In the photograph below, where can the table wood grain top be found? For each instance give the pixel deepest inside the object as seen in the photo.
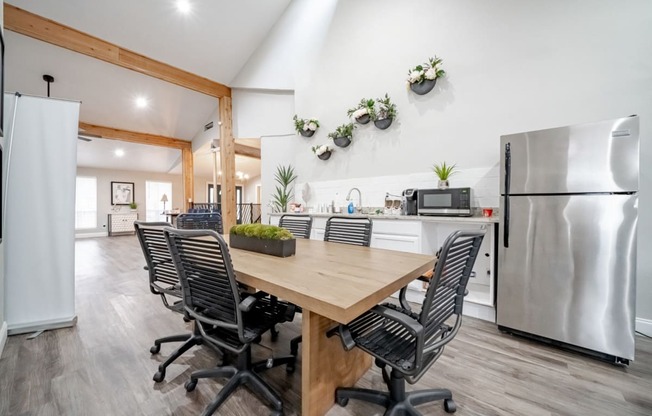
(334, 280)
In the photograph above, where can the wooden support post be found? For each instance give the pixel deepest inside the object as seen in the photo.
(227, 162)
(188, 177)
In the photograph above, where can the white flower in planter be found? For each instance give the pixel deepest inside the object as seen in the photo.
(431, 73)
(415, 76)
(360, 112)
(312, 126)
(322, 149)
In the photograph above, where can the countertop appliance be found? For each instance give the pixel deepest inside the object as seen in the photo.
(39, 190)
(410, 201)
(454, 202)
(567, 248)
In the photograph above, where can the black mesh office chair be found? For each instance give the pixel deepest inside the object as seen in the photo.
(408, 342)
(163, 281)
(344, 230)
(349, 230)
(201, 221)
(226, 316)
(299, 225)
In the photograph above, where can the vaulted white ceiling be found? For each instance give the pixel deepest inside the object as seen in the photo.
(214, 40)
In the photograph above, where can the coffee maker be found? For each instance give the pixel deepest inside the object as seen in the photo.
(410, 198)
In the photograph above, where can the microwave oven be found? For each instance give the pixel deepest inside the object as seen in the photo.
(449, 202)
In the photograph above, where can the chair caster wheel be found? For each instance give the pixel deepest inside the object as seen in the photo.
(450, 406)
(159, 376)
(274, 334)
(155, 349)
(342, 401)
(190, 385)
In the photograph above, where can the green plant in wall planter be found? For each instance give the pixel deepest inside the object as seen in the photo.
(342, 135)
(322, 151)
(305, 126)
(444, 172)
(133, 206)
(363, 112)
(384, 113)
(422, 78)
(284, 177)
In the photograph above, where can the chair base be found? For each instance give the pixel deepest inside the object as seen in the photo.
(397, 401)
(191, 340)
(244, 373)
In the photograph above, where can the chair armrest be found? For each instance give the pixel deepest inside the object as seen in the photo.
(248, 303)
(403, 300)
(345, 336)
(414, 327)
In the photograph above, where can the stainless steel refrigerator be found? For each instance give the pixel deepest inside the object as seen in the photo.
(567, 249)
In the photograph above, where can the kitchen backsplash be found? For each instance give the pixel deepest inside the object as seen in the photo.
(484, 183)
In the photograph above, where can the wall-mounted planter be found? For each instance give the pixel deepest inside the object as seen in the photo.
(342, 141)
(278, 248)
(325, 155)
(384, 123)
(423, 87)
(363, 119)
(307, 133)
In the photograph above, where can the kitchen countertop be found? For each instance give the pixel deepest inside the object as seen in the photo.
(423, 218)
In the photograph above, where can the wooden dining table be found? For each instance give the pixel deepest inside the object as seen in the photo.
(333, 283)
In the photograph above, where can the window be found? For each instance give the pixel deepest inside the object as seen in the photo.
(86, 203)
(238, 194)
(154, 207)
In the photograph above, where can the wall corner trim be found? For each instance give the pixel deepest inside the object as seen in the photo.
(3, 337)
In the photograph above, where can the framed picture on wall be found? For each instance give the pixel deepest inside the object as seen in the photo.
(122, 193)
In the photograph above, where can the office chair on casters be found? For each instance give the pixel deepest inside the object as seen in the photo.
(226, 316)
(163, 281)
(409, 343)
(344, 230)
(299, 225)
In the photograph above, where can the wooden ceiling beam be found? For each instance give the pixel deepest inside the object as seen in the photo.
(133, 136)
(248, 151)
(37, 27)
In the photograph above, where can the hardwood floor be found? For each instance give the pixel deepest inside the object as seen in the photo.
(103, 366)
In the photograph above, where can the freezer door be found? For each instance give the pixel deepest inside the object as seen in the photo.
(592, 157)
(569, 273)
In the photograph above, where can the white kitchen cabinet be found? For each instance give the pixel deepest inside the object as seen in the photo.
(426, 235)
(122, 224)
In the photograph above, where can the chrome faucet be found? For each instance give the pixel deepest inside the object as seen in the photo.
(348, 198)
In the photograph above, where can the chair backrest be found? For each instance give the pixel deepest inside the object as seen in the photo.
(299, 225)
(349, 230)
(201, 221)
(162, 272)
(203, 263)
(445, 295)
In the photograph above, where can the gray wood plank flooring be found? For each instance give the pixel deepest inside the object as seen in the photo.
(103, 365)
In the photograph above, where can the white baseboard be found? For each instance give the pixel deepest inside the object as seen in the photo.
(41, 326)
(3, 337)
(644, 326)
(92, 235)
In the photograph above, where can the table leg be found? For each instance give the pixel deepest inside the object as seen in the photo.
(325, 365)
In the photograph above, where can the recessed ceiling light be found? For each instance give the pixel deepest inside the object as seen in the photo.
(119, 152)
(141, 102)
(184, 6)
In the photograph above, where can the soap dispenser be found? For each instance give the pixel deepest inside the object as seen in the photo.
(351, 208)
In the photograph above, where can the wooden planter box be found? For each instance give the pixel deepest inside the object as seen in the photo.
(278, 248)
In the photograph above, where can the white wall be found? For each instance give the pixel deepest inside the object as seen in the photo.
(104, 179)
(3, 324)
(259, 113)
(512, 66)
(250, 190)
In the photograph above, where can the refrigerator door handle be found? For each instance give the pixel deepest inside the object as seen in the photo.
(508, 174)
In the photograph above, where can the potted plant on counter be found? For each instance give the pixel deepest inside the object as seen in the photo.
(305, 126)
(262, 238)
(385, 113)
(422, 78)
(342, 135)
(444, 172)
(363, 112)
(284, 177)
(322, 151)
